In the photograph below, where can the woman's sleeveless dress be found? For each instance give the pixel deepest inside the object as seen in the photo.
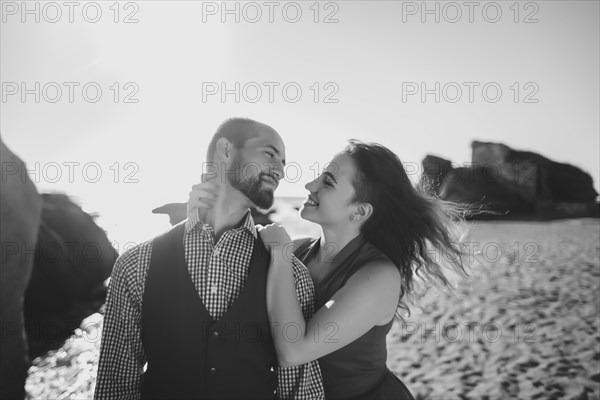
(358, 370)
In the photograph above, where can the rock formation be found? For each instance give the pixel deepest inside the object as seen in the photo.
(73, 258)
(513, 184)
(535, 176)
(20, 209)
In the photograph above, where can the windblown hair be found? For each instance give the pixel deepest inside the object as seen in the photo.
(408, 225)
(236, 130)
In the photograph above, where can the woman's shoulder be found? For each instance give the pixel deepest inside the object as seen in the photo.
(368, 260)
(370, 254)
(374, 269)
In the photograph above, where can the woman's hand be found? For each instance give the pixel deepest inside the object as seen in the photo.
(202, 197)
(274, 236)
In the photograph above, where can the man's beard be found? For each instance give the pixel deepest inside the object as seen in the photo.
(251, 187)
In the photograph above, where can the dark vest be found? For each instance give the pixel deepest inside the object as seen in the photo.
(189, 354)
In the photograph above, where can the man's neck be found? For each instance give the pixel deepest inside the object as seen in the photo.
(228, 212)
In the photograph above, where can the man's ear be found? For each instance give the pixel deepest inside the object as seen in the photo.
(223, 149)
(363, 212)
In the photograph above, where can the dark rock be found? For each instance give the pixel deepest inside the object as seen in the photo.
(513, 184)
(481, 187)
(20, 209)
(536, 176)
(73, 258)
(435, 170)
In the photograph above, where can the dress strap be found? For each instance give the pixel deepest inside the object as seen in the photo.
(304, 246)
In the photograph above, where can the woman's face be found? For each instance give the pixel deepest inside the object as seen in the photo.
(328, 202)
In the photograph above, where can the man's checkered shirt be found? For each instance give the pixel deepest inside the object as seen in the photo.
(219, 272)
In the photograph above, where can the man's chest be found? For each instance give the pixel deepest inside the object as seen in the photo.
(229, 258)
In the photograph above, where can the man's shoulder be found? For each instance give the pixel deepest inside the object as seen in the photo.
(300, 244)
(301, 275)
(134, 257)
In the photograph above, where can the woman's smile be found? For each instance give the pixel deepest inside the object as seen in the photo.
(310, 202)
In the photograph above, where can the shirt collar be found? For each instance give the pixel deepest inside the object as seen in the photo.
(195, 221)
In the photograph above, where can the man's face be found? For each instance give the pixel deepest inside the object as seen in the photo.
(258, 167)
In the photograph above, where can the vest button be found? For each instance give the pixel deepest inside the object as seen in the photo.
(213, 370)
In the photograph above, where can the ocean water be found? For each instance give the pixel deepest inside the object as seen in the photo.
(131, 224)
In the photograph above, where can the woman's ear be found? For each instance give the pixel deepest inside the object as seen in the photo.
(363, 212)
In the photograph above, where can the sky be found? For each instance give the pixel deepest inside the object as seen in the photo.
(129, 94)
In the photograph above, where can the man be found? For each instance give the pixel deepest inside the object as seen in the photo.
(192, 302)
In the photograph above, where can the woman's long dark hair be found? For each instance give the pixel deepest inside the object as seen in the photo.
(406, 223)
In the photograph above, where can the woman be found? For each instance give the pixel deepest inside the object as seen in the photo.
(377, 229)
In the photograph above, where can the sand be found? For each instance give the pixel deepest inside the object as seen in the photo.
(528, 320)
(526, 325)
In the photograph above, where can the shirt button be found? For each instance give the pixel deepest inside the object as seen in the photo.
(213, 370)
(217, 252)
(214, 288)
(215, 333)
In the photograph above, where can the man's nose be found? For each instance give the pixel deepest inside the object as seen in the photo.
(278, 171)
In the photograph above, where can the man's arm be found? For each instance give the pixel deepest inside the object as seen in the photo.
(122, 355)
(301, 381)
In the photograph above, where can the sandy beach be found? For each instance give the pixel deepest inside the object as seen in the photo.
(526, 325)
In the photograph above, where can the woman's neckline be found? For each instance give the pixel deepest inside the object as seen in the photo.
(341, 255)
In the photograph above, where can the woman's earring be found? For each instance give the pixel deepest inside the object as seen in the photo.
(352, 218)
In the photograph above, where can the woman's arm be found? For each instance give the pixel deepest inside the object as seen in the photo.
(369, 297)
(202, 197)
(283, 308)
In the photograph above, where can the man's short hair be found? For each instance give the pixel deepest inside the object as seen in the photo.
(236, 130)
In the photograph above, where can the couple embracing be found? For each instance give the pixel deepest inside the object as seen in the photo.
(204, 311)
